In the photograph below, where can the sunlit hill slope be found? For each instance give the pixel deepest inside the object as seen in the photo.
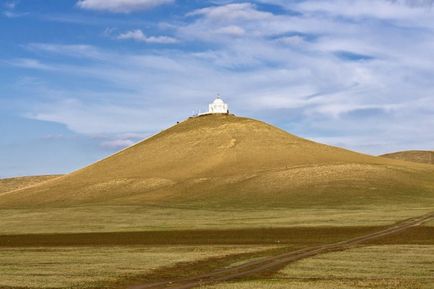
(425, 157)
(229, 161)
(10, 184)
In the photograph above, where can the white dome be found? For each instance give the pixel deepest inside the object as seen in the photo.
(218, 101)
(218, 106)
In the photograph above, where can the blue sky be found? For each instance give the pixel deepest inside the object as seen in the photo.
(80, 80)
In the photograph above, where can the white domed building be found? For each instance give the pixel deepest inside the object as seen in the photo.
(218, 106)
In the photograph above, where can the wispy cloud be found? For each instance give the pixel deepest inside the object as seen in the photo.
(121, 141)
(29, 63)
(357, 75)
(9, 10)
(121, 6)
(10, 5)
(138, 35)
(77, 50)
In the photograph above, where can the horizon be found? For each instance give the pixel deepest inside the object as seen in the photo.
(84, 79)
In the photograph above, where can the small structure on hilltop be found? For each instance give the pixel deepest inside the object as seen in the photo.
(217, 106)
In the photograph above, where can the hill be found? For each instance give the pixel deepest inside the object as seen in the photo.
(11, 184)
(221, 161)
(418, 156)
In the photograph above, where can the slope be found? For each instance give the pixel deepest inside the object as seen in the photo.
(10, 184)
(418, 156)
(227, 161)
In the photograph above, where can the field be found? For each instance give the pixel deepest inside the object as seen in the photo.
(117, 260)
(151, 218)
(90, 267)
(374, 267)
(37, 262)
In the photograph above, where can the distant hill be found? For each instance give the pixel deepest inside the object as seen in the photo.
(222, 161)
(10, 184)
(425, 157)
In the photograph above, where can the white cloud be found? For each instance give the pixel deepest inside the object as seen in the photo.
(231, 30)
(10, 5)
(117, 144)
(228, 12)
(78, 50)
(139, 36)
(121, 6)
(291, 40)
(30, 63)
(305, 72)
(10, 10)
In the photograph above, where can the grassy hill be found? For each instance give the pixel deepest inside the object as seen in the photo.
(10, 184)
(209, 193)
(424, 157)
(224, 161)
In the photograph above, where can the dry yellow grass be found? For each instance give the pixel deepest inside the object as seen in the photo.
(375, 267)
(223, 161)
(425, 157)
(148, 218)
(11, 184)
(373, 262)
(324, 284)
(90, 267)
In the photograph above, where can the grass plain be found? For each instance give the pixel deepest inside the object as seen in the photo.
(154, 218)
(278, 283)
(372, 262)
(97, 267)
(373, 267)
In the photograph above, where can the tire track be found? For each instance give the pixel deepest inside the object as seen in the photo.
(277, 261)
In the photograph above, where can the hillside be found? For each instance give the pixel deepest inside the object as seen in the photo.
(417, 156)
(10, 184)
(227, 161)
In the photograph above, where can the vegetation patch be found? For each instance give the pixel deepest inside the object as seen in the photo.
(373, 267)
(164, 218)
(90, 267)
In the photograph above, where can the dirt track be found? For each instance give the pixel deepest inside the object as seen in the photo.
(277, 261)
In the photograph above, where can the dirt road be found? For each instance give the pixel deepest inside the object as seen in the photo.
(277, 261)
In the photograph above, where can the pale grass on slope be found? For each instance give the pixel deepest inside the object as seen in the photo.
(89, 267)
(417, 156)
(11, 184)
(138, 218)
(222, 161)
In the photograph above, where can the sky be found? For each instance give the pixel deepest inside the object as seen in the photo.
(82, 79)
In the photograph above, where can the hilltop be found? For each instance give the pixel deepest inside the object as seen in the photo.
(417, 156)
(228, 161)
